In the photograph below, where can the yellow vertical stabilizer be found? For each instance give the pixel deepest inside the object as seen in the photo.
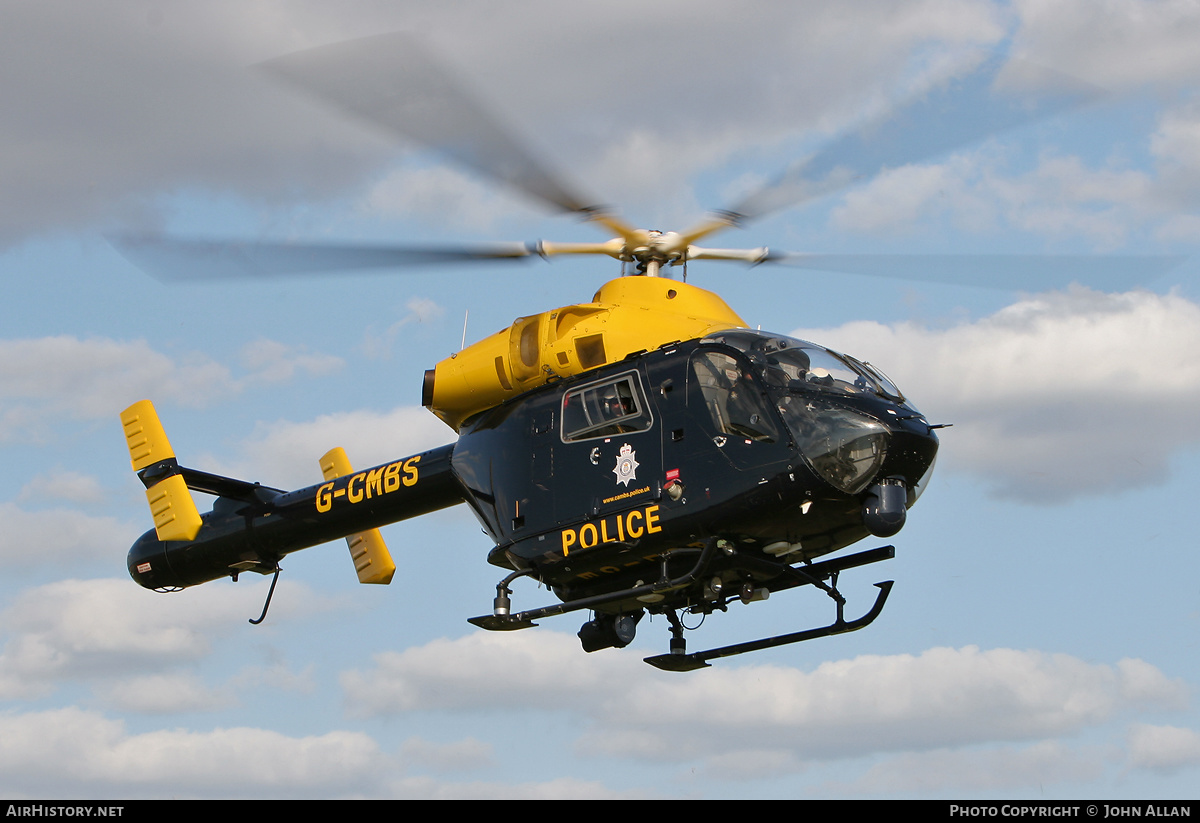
(370, 554)
(171, 505)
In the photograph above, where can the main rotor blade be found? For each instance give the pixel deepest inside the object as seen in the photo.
(171, 258)
(997, 96)
(392, 81)
(1017, 272)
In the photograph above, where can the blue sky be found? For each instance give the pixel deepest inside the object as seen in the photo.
(1042, 637)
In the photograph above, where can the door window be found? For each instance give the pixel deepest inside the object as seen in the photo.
(608, 407)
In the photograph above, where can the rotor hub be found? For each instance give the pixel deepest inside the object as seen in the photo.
(655, 249)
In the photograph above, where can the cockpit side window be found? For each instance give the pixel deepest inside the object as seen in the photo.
(616, 405)
(732, 398)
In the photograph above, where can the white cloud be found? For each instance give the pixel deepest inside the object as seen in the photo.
(1179, 227)
(184, 691)
(752, 764)
(276, 677)
(1177, 140)
(1120, 44)
(87, 627)
(1061, 199)
(62, 484)
(286, 453)
(58, 536)
(904, 198)
(104, 163)
(650, 169)
(871, 704)
(1163, 748)
(848, 708)
(813, 67)
(1032, 389)
(417, 310)
(563, 788)
(65, 376)
(112, 628)
(737, 88)
(114, 106)
(1176, 148)
(270, 361)
(73, 753)
(441, 195)
(463, 755)
(987, 772)
(165, 694)
(88, 378)
(449, 674)
(70, 752)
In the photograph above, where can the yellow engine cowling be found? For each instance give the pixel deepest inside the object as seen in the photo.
(626, 315)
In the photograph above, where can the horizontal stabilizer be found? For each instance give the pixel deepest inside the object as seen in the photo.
(370, 554)
(174, 511)
(171, 505)
(372, 560)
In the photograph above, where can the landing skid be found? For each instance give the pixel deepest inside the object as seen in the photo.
(679, 661)
(714, 556)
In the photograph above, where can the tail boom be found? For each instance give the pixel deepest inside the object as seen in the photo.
(254, 529)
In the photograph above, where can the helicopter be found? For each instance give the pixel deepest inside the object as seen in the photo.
(646, 452)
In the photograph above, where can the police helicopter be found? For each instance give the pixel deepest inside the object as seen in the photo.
(646, 452)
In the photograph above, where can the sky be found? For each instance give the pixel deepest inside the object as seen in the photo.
(1042, 637)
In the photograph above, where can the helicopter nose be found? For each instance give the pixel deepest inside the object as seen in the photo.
(885, 507)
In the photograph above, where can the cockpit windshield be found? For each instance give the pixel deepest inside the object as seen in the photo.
(792, 364)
